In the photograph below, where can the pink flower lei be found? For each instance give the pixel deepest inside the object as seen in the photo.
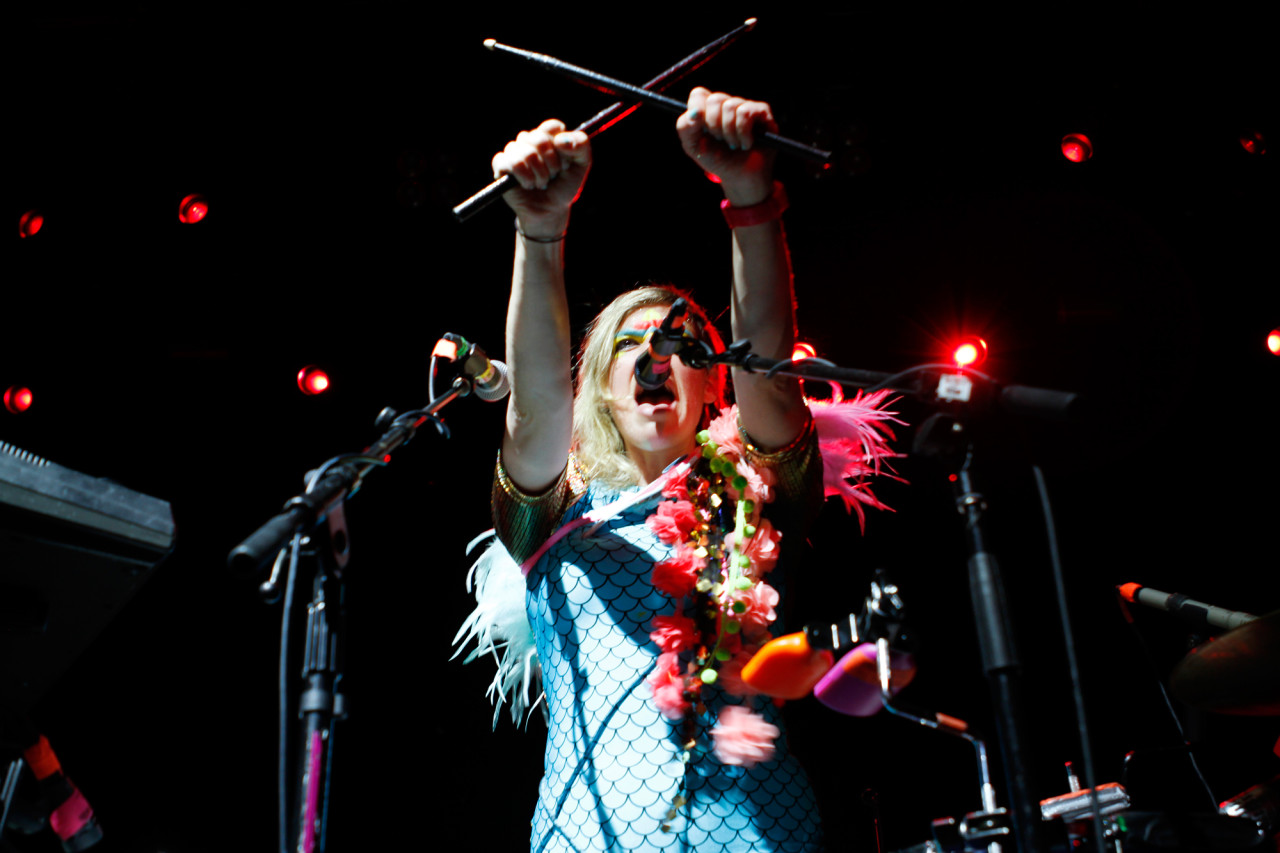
(722, 550)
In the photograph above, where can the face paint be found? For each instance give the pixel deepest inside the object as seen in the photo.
(628, 338)
(641, 329)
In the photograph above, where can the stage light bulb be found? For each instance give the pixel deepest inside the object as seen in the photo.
(312, 380)
(802, 351)
(1273, 342)
(1253, 142)
(192, 209)
(17, 399)
(1076, 147)
(969, 352)
(30, 223)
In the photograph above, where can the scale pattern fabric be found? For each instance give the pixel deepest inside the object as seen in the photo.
(613, 763)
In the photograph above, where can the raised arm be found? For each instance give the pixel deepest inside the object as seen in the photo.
(550, 165)
(718, 131)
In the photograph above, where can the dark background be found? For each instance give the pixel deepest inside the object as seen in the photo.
(331, 148)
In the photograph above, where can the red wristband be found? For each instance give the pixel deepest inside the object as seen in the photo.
(766, 211)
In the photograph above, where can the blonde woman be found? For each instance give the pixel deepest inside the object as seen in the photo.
(647, 529)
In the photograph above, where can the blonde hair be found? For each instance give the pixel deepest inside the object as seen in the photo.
(597, 444)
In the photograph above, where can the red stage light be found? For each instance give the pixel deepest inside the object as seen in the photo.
(969, 352)
(1076, 147)
(30, 223)
(1253, 142)
(802, 350)
(192, 209)
(17, 399)
(312, 380)
(1273, 341)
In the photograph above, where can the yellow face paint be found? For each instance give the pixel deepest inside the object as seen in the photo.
(641, 332)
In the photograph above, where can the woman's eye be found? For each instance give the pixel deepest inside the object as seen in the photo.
(625, 344)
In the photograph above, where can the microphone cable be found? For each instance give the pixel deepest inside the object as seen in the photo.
(1073, 665)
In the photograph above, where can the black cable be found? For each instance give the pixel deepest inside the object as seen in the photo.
(1168, 703)
(282, 749)
(1073, 665)
(773, 371)
(921, 368)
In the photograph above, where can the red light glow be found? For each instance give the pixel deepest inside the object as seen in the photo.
(17, 399)
(969, 352)
(802, 350)
(30, 223)
(1253, 142)
(192, 209)
(312, 380)
(1273, 342)
(1076, 147)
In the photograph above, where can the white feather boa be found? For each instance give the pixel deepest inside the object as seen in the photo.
(498, 626)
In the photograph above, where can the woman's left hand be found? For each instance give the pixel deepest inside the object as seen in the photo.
(718, 131)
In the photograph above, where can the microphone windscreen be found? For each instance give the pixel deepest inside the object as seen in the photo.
(787, 667)
(852, 686)
(497, 387)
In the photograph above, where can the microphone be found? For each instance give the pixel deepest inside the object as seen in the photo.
(1201, 614)
(654, 364)
(489, 379)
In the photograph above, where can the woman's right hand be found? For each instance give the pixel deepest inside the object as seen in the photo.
(550, 164)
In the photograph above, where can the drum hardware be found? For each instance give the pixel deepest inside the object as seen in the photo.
(976, 831)
(1075, 810)
(991, 827)
(1139, 830)
(1260, 804)
(1079, 803)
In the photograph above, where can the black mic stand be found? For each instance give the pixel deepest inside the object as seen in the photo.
(312, 531)
(946, 435)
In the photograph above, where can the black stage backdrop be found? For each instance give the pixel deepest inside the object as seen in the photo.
(331, 147)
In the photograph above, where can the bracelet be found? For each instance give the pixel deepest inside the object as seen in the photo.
(540, 239)
(757, 214)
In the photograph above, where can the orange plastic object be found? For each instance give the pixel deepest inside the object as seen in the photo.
(787, 668)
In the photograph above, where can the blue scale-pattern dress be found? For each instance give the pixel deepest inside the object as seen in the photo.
(613, 763)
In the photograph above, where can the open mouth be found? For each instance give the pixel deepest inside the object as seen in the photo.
(657, 397)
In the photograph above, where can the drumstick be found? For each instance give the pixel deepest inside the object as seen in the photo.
(610, 86)
(609, 116)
